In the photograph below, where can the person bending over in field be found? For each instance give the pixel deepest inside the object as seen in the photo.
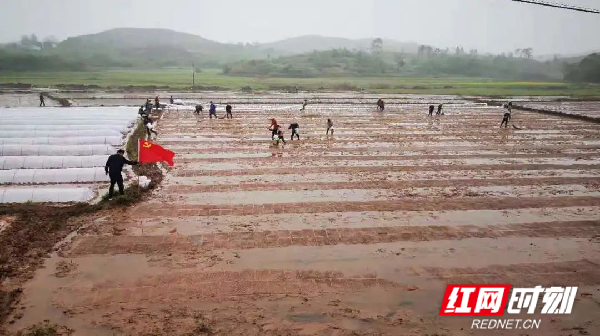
(212, 110)
(274, 128)
(329, 127)
(199, 109)
(280, 136)
(505, 120)
(380, 105)
(228, 110)
(149, 127)
(294, 127)
(114, 166)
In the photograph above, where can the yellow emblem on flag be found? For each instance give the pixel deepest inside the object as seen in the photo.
(147, 145)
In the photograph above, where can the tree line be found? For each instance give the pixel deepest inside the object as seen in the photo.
(427, 62)
(33, 54)
(588, 70)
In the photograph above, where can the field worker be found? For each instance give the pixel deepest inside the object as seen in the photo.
(113, 168)
(148, 105)
(380, 105)
(198, 109)
(439, 111)
(329, 127)
(149, 127)
(156, 102)
(42, 103)
(431, 108)
(509, 107)
(294, 127)
(143, 113)
(280, 135)
(505, 120)
(304, 105)
(212, 111)
(274, 128)
(228, 110)
(171, 100)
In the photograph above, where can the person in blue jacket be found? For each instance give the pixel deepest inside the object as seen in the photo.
(212, 111)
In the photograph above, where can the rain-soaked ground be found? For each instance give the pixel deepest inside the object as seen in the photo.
(352, 234)
(588, 109)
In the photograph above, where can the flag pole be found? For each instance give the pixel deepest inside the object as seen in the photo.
(138, 160)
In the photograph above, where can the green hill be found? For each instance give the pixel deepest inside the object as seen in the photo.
(140, 47)
(148, 48)
(128, 48)
(142, 38)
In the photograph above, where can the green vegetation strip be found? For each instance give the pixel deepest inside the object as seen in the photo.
(181, 79)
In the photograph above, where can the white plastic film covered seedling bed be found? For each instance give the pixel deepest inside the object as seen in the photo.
(58, 154)
(46, 194)
(52, 150)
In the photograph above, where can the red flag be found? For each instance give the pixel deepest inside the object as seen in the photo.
(151, 152)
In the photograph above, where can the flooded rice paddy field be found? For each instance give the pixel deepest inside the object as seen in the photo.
(23, 100)
(183, 99)
(588, 109)
(352, 234)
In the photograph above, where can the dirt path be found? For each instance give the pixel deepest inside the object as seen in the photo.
(355, 234)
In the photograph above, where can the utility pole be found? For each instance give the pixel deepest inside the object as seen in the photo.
(193, 76)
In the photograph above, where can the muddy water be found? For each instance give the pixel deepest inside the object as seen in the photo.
(375, 258)
(23, 100)
(89, 270)
(197, 153)
(353, 195)
(411, 262)
(324, 143)
(378, 163)
(380, 176)
(200, 225)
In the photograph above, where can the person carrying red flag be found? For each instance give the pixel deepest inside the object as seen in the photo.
(114, 166)
(151, 152)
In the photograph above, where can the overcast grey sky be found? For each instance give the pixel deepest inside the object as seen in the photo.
(487, 25)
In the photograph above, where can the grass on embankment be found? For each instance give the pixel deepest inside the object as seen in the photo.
(213, 79)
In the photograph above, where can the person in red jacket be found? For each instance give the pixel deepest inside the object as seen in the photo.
(274, 128)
